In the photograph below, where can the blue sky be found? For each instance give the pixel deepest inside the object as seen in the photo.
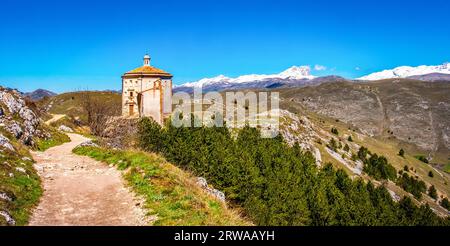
(74, 45)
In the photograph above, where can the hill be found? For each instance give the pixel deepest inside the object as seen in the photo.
(72, 103)
(39, 94)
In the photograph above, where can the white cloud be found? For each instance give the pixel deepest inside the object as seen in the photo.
(357, 68)
(318, 67)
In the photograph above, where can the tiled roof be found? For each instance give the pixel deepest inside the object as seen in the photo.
(148, 70)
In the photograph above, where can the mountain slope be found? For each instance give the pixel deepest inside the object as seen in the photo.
(410, 111)
(39, 94)
(407, 71)
(431, 77)
(295, 74)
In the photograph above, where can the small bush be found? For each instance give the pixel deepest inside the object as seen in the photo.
(401, 153)
(334, 131)
(432, 192)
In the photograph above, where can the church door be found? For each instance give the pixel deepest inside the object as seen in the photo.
(131, 110)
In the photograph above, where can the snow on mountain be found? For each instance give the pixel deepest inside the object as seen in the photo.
(294, 72)
(407, 71)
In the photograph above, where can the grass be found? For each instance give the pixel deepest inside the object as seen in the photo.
(447, 168)
(57, 138)
(70, 122)
(23, 187)
(171, 194)
(71, 103)
(421, 158)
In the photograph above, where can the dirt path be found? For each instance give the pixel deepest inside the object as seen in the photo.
(56, 117)
(81, 191)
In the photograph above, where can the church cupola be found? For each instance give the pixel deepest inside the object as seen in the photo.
(147, 60)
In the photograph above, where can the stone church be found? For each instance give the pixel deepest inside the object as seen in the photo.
(147, 91)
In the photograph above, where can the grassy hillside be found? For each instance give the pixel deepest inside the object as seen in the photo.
(388, 147)
(171, 195)
(71, 103)
(20, 188)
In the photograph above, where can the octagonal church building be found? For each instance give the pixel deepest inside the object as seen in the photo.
(147, 92)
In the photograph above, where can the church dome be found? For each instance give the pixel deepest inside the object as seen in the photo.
(147, 70)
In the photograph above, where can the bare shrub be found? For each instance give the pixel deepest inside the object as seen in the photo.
(98, 111)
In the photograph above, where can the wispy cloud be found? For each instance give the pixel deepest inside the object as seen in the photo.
(357, 68)
(318, 67)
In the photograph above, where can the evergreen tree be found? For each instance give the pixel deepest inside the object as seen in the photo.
(401, 153)
(432, 192)
(445, 204)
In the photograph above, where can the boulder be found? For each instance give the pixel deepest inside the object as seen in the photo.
(21, 169)
(9, 219)
(214, 192)
(5, 143)
(87, 143)
(5, 197)
(24, 127)
(14, 128)
(10, 101)
(64, 128)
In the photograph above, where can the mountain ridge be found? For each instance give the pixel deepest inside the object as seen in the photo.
(407, 71)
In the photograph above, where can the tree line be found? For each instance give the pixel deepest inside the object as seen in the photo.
(277, 184)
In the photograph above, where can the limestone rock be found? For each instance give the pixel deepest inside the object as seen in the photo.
(216, 193)
(5, 143)
(25, 126)
(21, 169)
(9, 219)
(87, 143)
(64, 128)
(4, 196)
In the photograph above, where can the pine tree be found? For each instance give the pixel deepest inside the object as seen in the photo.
(401, 153)
(432, 192)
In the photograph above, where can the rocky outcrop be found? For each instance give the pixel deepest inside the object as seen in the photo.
(64, 128)
(414, 112)
(87, 143)
(120, 132)
(5, 143)
(8, 218)
(214, 192)
(19, 119)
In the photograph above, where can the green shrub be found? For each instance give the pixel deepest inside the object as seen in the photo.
(445, 204)
(335, 131)
(412, 185)
(421, 158)
(277, 184)
(432, 192)
(401, 153)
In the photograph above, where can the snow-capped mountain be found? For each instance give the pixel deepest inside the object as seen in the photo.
(407, 71)
(292, 73)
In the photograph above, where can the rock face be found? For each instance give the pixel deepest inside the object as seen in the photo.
(19, 119)
(412, 111)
